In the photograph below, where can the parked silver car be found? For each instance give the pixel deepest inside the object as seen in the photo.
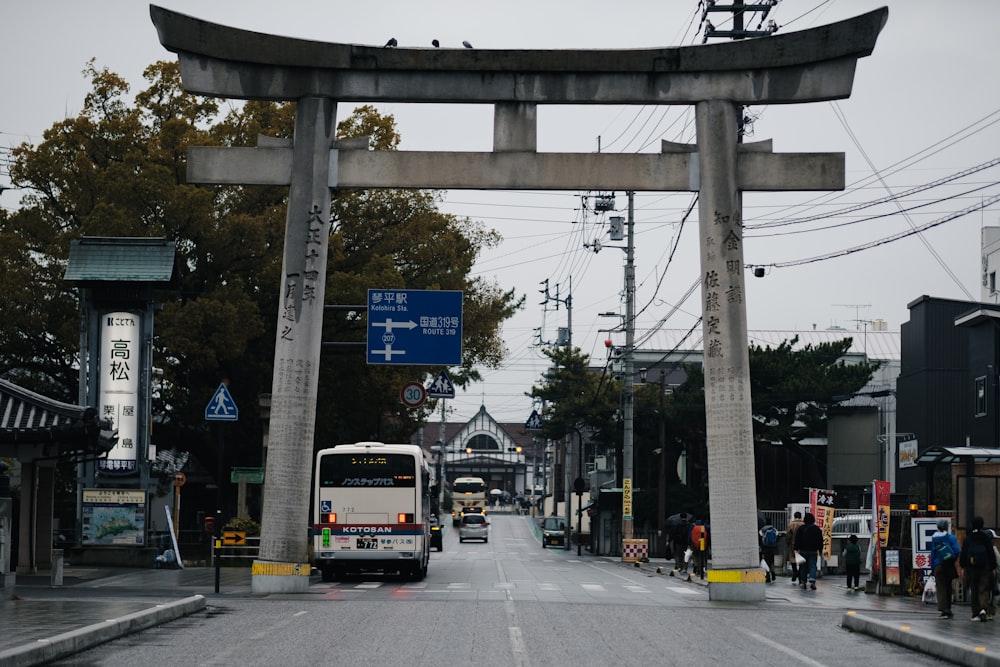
(473, 527)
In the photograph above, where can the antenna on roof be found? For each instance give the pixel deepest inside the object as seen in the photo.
(857, 312)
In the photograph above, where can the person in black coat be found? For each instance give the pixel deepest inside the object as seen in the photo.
(808, 543)
(979, 562)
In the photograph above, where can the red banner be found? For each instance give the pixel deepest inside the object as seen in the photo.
(880, 520)
(821, 503)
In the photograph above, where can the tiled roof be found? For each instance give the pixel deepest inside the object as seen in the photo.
(120, 259)
(38, 427)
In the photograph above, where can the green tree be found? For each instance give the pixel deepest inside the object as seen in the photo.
(119, 169)
(577, 401)
(792, 393)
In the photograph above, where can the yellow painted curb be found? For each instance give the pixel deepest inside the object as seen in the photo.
(736, 576)
(280, 569)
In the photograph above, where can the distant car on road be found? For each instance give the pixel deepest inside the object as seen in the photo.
(456, 515)
(473, 527)
(553, 531)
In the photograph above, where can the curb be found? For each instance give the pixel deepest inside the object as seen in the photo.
(905, 635)
(663, 568)
(68, 643)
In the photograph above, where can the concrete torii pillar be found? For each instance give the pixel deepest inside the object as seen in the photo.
(811, 65)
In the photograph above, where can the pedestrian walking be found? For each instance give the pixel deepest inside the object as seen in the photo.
(979, 563)
(944, 557)
(793, 525)
(768, 542)
(679, 541)
(852, 561)
(808, 543)
(992, 609)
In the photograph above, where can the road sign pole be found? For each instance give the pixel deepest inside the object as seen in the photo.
(221, 440)
(177, 510)
(218, 546)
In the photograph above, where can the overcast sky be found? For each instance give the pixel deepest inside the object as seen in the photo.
(925, 107)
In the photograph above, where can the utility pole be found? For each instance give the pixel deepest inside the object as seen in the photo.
(566, 445)
(568, 301)
(628, 437)
(661, 500)
(738, 8)
(442, 463)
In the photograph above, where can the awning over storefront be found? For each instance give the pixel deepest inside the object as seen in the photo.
(936, 455)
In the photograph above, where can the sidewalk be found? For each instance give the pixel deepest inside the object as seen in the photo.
(901, 620)
(94, 605)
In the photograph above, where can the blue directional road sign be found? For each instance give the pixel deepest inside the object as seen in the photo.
(222, 407)
(414, 327)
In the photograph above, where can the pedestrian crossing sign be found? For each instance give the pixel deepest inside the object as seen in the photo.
(442, 387)
(222, 407)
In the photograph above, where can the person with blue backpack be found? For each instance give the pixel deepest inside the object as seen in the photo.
(944, 558)
(979, 562)
(768, 547)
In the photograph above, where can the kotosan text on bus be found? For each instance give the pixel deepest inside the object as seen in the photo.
(372, 510)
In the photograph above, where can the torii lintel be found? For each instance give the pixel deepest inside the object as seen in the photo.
(805, 66)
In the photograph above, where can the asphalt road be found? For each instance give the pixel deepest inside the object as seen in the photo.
(509, 602)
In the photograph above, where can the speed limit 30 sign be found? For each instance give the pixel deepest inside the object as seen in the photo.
(413, 394)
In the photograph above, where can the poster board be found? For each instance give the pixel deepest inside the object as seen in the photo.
(114, 517)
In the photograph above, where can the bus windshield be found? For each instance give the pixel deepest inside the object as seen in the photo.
(469, 486)
(367, 470)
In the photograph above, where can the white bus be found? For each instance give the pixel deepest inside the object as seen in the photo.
(467, 492)
(372, 510)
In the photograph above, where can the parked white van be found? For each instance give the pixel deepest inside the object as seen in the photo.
(852, 524)
(843, 527)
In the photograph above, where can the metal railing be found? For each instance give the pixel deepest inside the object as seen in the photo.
(230, 555)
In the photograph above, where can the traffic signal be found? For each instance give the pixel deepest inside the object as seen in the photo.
(210, 524)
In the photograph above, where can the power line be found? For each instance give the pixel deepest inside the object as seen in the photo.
(876, 202)
(889, 239)
(914, 228)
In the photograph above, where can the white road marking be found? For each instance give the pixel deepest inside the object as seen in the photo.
(806, 660)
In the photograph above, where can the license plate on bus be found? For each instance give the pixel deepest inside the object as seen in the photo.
(367, 542)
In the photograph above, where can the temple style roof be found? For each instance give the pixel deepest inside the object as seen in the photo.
(33, 426)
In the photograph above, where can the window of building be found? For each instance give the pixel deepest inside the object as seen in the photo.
(981, 396)
(482, 442)
(993, 282)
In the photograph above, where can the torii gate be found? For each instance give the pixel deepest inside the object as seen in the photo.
(806, 66)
